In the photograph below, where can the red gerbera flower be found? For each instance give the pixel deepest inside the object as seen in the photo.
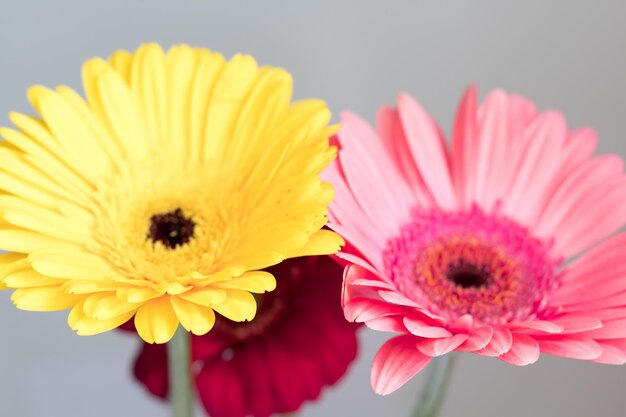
(285, 356)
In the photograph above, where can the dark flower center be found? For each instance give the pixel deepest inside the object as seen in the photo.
(467, 275)
(172, 229)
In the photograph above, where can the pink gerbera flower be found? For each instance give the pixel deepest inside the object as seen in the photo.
(465, 248)
(297, 344)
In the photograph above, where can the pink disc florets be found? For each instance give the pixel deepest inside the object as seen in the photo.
(469, 262)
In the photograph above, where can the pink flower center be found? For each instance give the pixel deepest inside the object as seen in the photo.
(457, 263)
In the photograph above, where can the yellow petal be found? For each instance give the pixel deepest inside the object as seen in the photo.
(9, 262)
(70, 129)
(149, 88)
(24, 241)
(268, 100)
(87, 287)
(323, 242)
(230, 92)
(36, 129)
(255, 281)
(92, 125)
(137, 295)
(156, 321)
(21, 275)
(194, 318)
(39, 187)
(208, 70)
(74, 264)
(259, 260)
(238, 306)
(205, 296)
(49, 298)
(121, 60)
(87, 326)
(106, 306)
(30, 216)
(180, 67)
(41, 157)
(122, 114)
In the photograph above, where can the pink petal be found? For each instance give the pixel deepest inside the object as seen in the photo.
(395, 297)
(361, 263)
(539, 325)
(524, 350)
(391, 131)
(577, 324)
(574, 190)
(492, 150)
(464, 138)
(373, 283)
(611, 354)
(478, 339)
(611, 329)
(364, 249)
(347, 219)
(438, 347)
(363, 310)
(463, 324)
(428, 149)
(422, 329)
(397, 361)
(544, 138)
(595, 219)
(367, 167)
(499, 344)
(598, 274)
(579, 147)
(370, 208)
(571, 347)
(508, 115)
(607, 314)
(393, 324)
(617, 300)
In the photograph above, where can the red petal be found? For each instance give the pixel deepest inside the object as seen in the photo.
(151, 368)
(220, 389)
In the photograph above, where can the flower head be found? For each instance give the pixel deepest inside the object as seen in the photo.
(285, 356)
(465, 248)
(163, 194)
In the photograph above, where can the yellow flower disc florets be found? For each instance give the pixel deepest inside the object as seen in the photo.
(164, 193)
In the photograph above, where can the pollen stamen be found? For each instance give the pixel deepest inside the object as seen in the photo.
(172, 229)
(470, 263)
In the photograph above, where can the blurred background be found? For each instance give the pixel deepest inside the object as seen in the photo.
(565, 54)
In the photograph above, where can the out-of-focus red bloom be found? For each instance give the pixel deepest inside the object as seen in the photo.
(298, 343)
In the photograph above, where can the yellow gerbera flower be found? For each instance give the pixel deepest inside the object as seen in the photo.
(163, 193)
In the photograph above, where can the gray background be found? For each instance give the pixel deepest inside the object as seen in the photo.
(569, 55)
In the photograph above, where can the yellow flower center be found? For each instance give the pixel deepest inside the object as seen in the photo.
(170, 228)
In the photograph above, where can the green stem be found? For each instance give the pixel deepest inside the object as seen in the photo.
(434, 391)
(181, 384)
